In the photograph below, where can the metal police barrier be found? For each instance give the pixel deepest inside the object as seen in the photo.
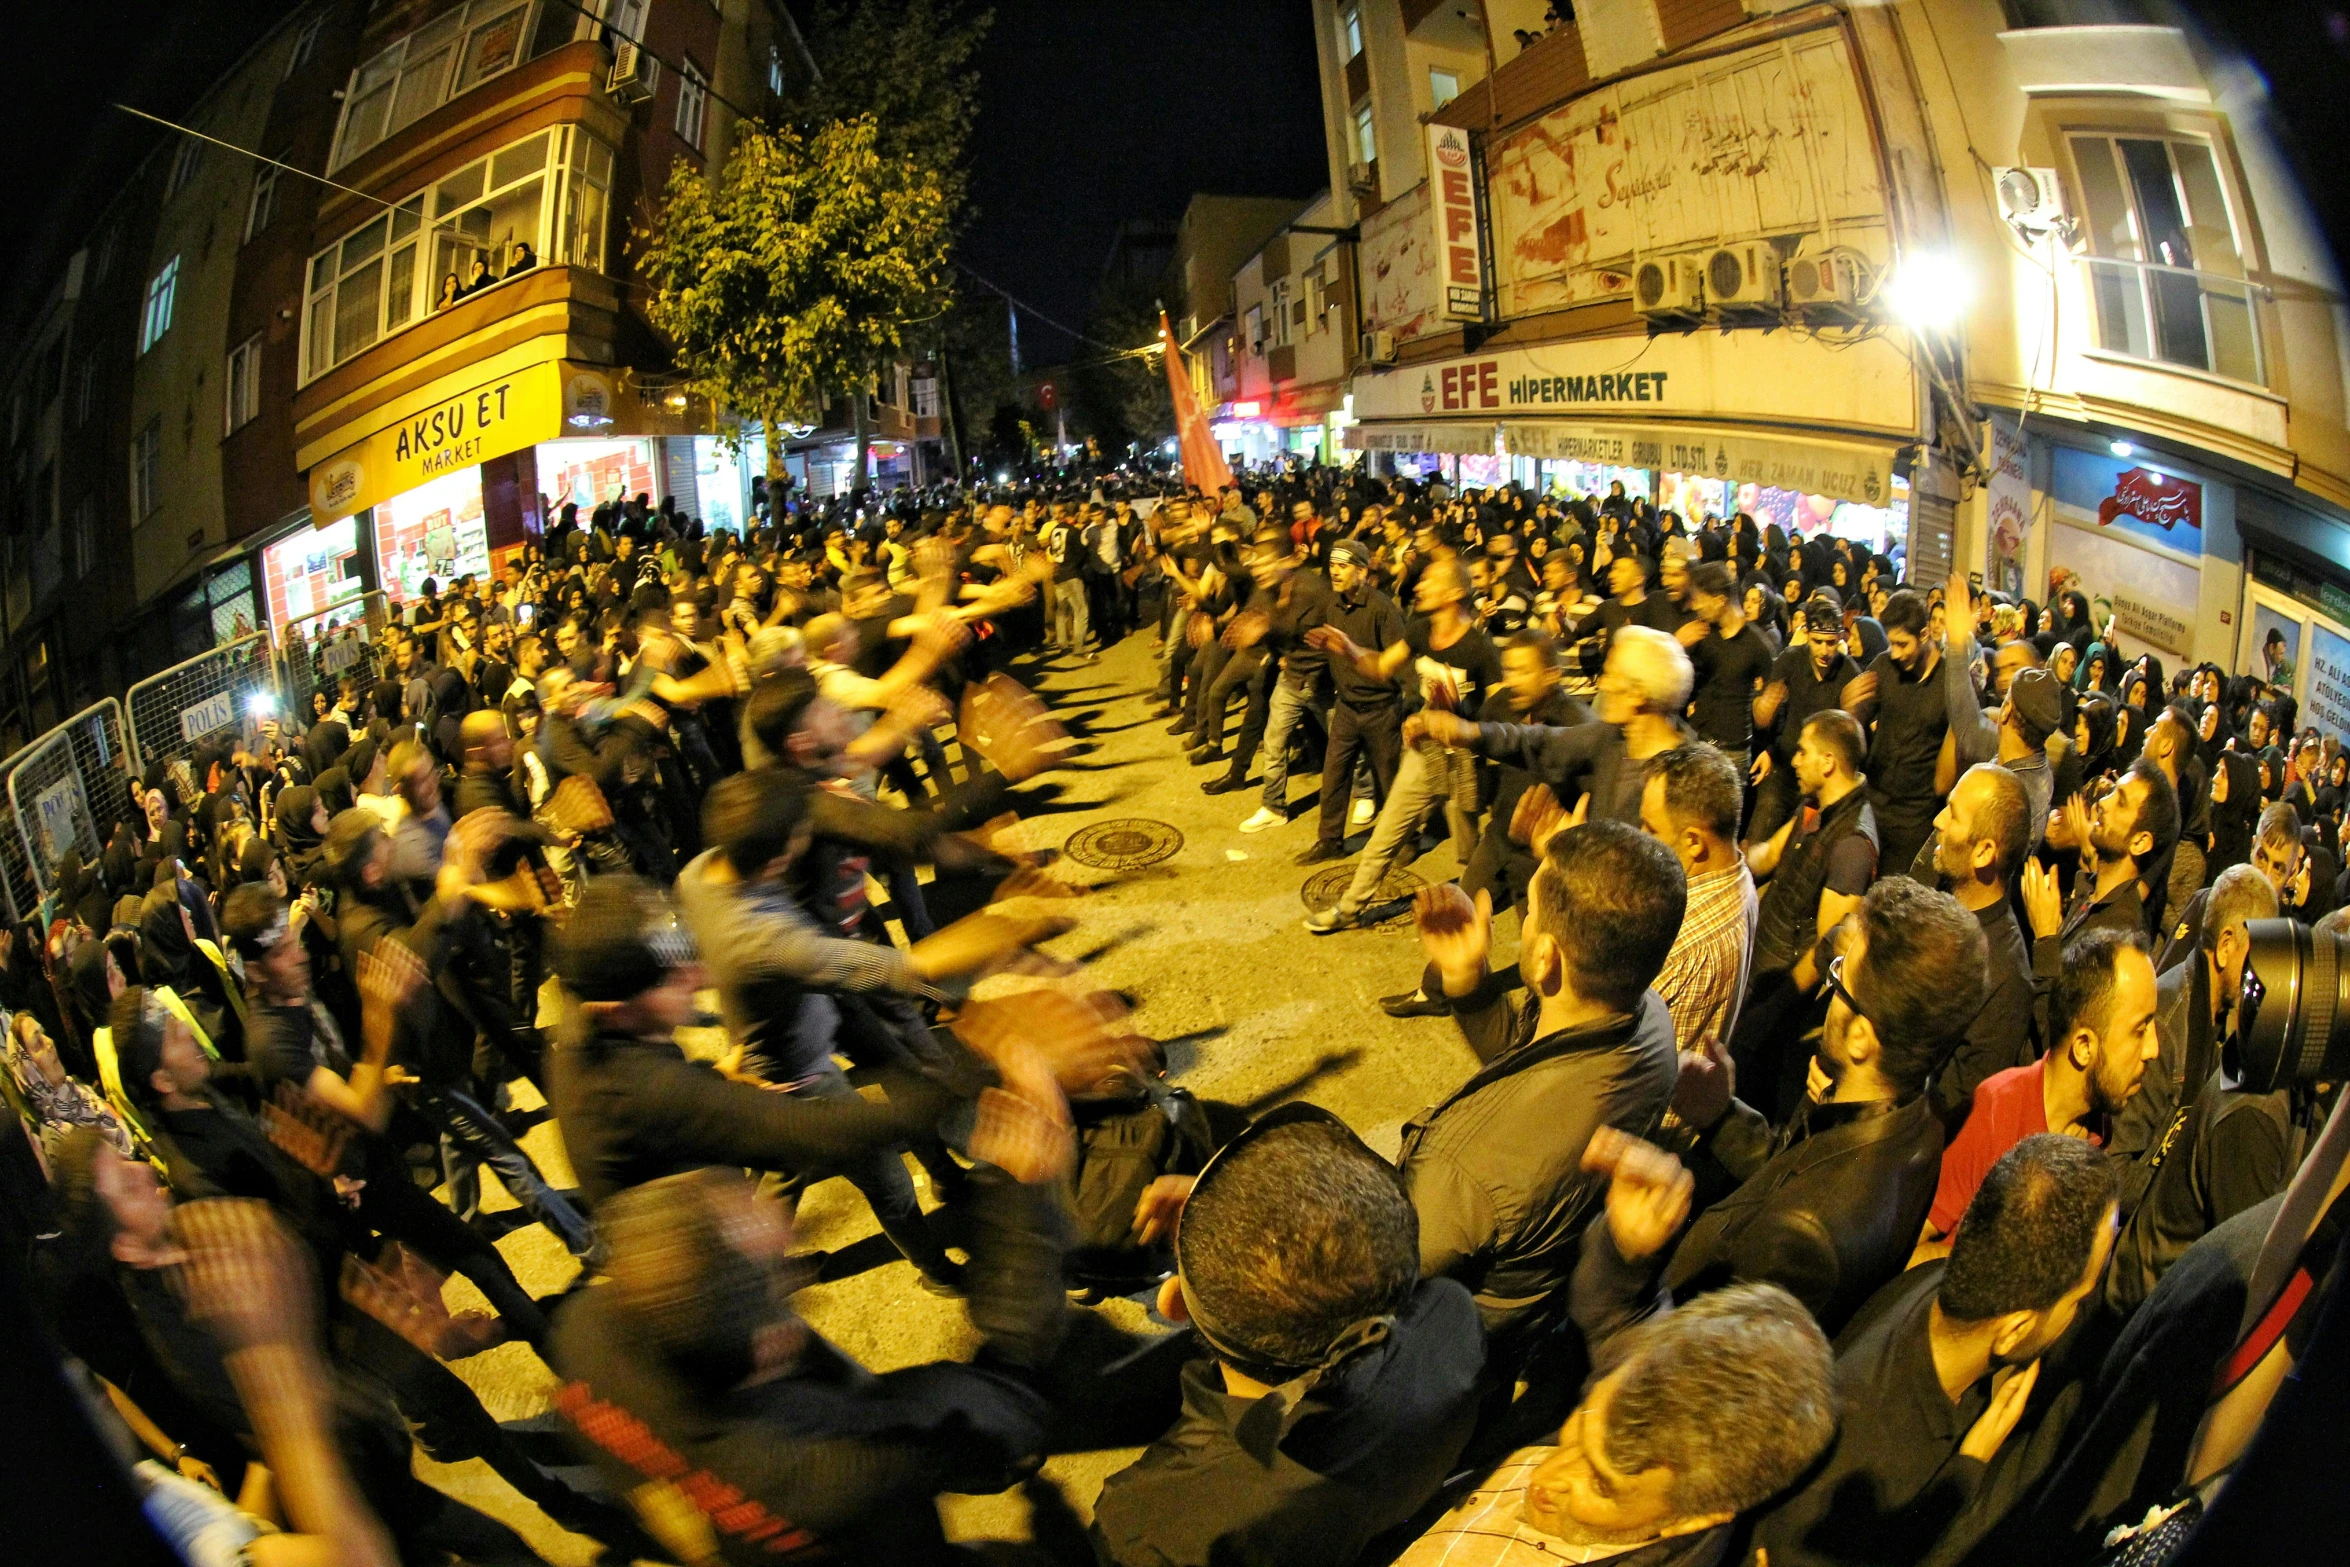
(65, 791)
(206, 698)
(316, 651)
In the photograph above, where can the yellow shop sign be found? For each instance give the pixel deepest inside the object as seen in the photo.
(448, 433)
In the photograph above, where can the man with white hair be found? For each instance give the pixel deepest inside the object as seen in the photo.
(1641, 694)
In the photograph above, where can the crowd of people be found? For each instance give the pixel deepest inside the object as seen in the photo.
(1848, 1162)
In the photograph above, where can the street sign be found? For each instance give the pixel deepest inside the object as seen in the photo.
(217, 711)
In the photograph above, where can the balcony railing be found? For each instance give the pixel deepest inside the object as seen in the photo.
(2176, 316)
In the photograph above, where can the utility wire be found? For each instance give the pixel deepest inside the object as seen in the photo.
(257, 157)
(1067, 331)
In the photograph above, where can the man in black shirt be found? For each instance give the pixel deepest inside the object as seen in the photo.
(1454, 666)
(2127, 831)
(1902, 698)
(1935, 1373)
(1808, 678)
(1818, 864)
(1730, 660)
(1366, 716)
(1290, 600)
(1980, 842)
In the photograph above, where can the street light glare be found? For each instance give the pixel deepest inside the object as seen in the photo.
(1928, 291)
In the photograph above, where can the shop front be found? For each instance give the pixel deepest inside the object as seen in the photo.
(2155, 545)
(312, 573)
(2297, 586)
(458, 474)
(1794, 430)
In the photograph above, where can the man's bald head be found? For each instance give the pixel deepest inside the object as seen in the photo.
(484, 738)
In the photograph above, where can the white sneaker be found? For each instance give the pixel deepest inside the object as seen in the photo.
(1362, 813)
(1263, 819)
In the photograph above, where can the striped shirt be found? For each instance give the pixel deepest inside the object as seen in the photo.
(1487, 1528)
(1704, 977)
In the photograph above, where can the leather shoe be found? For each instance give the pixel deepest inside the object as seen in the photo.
(1322, 851)
(1181, 726)
(1206, 754)
(1223, 785)
(1412, 1004)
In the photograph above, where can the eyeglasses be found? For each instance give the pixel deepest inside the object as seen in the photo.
(1836, 984)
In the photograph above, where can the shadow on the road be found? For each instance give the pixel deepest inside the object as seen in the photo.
(1280, 1093)
(1112, 943)
(1182, 1052)
(874, 1251)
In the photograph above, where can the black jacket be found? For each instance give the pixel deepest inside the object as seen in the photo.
(633, 1111)
(1359, 1454)
(1829, 1207)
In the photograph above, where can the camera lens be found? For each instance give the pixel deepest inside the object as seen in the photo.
(2293, 1015)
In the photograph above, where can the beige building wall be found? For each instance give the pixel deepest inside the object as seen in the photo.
(177, 383)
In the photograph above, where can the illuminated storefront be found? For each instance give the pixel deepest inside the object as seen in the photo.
(721, 485)
(434, 532)
(312, 571)
(589, 473)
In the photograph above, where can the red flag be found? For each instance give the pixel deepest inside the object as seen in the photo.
(1204, 468)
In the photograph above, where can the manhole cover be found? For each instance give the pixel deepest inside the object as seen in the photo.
(1324, 888)
(1125, 844)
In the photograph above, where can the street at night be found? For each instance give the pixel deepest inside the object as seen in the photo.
(1201, 783)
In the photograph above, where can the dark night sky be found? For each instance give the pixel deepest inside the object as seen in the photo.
(1094, 111)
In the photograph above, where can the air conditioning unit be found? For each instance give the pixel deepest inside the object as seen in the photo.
(1743, 277)
(2031, 199)
(1359, 180)
(1669, 288)
(1832, 281)
(1378, 348)
(634, 73)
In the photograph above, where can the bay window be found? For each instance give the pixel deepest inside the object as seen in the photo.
(449, 55)
(545, 198)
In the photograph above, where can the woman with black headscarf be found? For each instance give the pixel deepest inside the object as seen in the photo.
(2211, 734)
(2235, 811)
(94, 978)
(2093, 733)
(334, 788)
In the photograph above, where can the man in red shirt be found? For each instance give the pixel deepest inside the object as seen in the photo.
(2103, 1011)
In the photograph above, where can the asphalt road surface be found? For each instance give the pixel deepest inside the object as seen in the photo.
(1210, 946)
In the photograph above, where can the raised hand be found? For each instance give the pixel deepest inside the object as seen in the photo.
(2010, 1391)
(1444, 728)
(1160, 1208)
(2043, 904)
(1004, 722)
(1708, 1080)
(1648, 1191)
(1456, 934)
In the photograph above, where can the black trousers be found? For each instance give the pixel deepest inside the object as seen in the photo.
(1500, 866)
(1377, 734)
(1239, 672)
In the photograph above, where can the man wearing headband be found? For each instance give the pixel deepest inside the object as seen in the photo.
(1339, 1386)
(634, 1109)
(294, 1045)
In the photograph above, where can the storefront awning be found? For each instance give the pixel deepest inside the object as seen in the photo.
(1440, 435)
(1842, 470)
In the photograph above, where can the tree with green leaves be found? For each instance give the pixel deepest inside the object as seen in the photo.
(799, 270)
(790, 275)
